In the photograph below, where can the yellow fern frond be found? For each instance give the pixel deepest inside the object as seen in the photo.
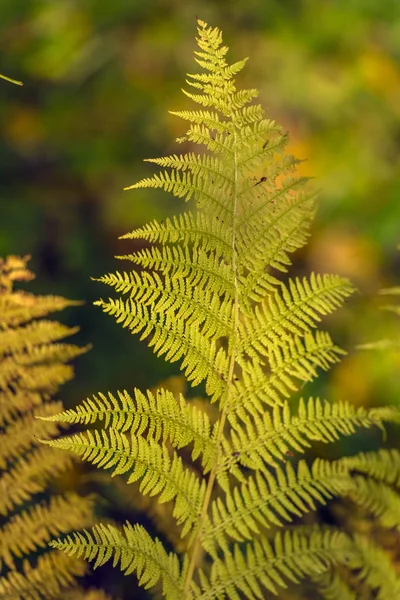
(133, 549)
(160, 474)
(262, 564)
(160, 416)
(52, 573)
(273, 498)
(32, 366)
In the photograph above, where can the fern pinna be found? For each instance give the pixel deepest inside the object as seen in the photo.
(208, 295)
(32, 367)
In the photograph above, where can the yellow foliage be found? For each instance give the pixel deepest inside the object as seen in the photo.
(32, 367)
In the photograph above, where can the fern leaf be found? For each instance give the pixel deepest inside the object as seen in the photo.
(332, 586)
(202, 360)
(273, 498)
(40, 522)
(52, 573)
(145, 460)
(383, 465)
(207, 294)
(204, 117)
(292, 363)
(291, 557)
(187, 228)
(174, 295)
(161, 416)
(295, 310)
(17, 437)
(259, 442)
(270, 245)
(379, 499)
(133, 549)
(198, 267)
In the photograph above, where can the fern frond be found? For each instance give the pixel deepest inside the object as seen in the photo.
(207, 295)
(34, 334)
(332, 586)
(290, 558)
(32, 366)
(204, 117)
(259, 442)
(296, 310)
(133, 549)
(22, 307)
(202, 360)
(144, 459)
(187, 228)
(40, 522)
(200, 269)
(379, 499)
(17, 403)
(160, 416)
(186, 186)
(295, 360)
(197, 164)
(383, 465)
(268, 206)
(269, 246)
(273, 498)
(17, 437)
(52, 573)
(29, 476)
(185, 302)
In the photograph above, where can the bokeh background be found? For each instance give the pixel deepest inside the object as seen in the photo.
(99, 77)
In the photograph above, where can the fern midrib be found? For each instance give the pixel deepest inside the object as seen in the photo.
(197, 547)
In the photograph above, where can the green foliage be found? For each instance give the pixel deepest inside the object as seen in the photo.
(33, 364)
(208, 295)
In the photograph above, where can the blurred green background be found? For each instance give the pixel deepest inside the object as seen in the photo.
(99, 77)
